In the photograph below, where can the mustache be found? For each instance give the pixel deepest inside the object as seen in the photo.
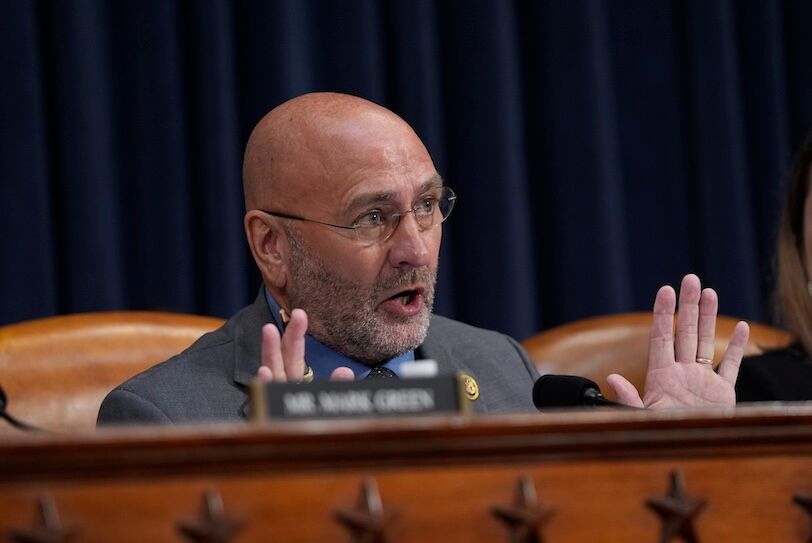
(406, 279)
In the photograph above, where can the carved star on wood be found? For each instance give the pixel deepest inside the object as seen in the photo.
(677, 511)
(367, 523)
(526, 517)
(805, 501)
(213, 525)
(49, 528)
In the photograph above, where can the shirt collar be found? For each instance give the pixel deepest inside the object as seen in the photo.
(323, 360)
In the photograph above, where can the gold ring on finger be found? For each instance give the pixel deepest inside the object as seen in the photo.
(308, 375)
(701, 360)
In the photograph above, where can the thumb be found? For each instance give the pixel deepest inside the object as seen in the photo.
(624, 390)
(342, 373)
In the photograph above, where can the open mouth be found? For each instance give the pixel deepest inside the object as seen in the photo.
(406, 297)
(405, 303)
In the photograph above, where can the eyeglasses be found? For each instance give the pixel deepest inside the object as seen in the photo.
(377, 225)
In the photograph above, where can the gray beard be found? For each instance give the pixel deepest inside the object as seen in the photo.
(343, 314)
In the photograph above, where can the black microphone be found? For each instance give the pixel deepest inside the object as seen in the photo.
(381, 372)
(11, 420)
(568, 391)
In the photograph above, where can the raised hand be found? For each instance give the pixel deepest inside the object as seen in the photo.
(283, 358)
(680, 371)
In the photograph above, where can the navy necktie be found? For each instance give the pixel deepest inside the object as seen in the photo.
(381, 372)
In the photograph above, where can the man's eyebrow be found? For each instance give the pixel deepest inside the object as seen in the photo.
(434, 182)
(365, 200)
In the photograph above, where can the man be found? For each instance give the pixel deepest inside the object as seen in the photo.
(344, 212)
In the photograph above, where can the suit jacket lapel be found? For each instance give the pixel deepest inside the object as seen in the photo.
(247, 326)
(449, 359)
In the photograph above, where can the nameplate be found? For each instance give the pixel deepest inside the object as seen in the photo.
(352, 399)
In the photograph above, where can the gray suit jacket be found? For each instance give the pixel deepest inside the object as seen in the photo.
(208, 381)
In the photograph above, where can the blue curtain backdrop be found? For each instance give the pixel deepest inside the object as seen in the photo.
(599, 148)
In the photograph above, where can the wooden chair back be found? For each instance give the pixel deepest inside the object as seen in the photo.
(56, 371)
(597, 346)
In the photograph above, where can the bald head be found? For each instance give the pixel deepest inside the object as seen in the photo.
(303, 144)
(316, 169)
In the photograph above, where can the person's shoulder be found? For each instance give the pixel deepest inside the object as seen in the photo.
(209, 358)
(461, 340)
(451, 328)
(776, 375)
(188, 386)
(502, 368)
(791, 355)
(461, 336)
(194, 385)
(209, 352)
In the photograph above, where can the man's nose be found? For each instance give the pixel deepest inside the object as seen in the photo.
(409, 244)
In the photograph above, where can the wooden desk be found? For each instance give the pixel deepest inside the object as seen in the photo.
(438, 479)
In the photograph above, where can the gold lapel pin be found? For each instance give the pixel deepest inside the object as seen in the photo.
(470, 386)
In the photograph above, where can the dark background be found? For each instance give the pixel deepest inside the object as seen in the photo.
(599, 149)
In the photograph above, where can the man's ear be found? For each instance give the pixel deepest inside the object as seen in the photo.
(266, 241)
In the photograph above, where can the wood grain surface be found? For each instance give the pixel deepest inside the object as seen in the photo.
(438, 478)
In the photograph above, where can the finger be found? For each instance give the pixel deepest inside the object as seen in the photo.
(624, 390)
(271, 356)
(264, 374)
(342, 373)
(661, 340)
(729, 366)
(293, 345)
(687, 320)
(708, 307)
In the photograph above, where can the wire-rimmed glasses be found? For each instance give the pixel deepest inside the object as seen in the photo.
(377, 225)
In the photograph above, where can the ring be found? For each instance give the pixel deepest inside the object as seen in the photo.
(704, 360)
(308, 375)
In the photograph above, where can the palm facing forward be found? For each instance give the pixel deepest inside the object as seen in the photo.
(679, 373)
